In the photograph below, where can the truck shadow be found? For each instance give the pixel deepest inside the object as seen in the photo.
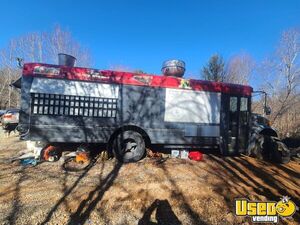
(228, 177)
(17, 193)
(177, 195)
(87, 205)
(94, 197)
(245, 177)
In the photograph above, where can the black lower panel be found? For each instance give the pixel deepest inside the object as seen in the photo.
(70, 134)
(103, 134)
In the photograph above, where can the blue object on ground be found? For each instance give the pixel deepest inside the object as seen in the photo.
(29, 161)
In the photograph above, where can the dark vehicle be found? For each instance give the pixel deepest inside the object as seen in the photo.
(129, 111)
(10, 119)
(264, 142)
(1, 113)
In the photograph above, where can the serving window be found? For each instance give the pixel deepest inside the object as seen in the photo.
(53, 104)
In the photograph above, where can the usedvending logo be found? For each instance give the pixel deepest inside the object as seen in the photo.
(266, 211)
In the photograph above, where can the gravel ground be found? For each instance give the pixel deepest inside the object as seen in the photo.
(151, 191)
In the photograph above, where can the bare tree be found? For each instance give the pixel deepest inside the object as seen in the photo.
(62, 41)
(139, 71)
(239, 69)
(282, 80)
(40, 47)
(120, 67)
(44, 47)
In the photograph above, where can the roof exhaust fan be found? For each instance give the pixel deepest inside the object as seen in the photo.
(66, 60)
(173, 67)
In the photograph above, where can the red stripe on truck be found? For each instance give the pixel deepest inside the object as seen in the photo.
(108, 76)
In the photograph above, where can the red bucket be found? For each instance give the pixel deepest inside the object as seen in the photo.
(195, 155)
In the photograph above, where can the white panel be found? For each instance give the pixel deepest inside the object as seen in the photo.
(192, 106)
(76, 88)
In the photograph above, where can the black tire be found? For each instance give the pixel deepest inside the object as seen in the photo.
(129, 146)
(280, 153)
(262, 147)
(258, 151)
(276, 151)
(268, 147)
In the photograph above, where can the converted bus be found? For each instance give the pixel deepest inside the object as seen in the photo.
(128, 111)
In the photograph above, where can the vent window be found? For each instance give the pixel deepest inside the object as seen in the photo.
(52, 104)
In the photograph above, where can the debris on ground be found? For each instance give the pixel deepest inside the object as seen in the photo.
(72, 164)
(108, 192)
(195, 155)
(29, 161)
(153, 154)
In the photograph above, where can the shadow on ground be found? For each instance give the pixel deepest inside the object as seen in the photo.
(152, 191)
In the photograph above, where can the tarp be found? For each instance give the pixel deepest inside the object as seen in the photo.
(17, 83)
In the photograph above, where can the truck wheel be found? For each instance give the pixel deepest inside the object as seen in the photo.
(257, 152)
(129, 146)
(280, 153)
(261, 147)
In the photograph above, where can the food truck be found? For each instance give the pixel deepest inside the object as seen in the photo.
(129, 111)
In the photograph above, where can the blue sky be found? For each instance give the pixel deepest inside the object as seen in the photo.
(142, 34)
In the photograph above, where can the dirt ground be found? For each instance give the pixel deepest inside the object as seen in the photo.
(151, 191)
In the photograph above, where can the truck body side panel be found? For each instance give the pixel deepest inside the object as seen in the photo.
(76, 111)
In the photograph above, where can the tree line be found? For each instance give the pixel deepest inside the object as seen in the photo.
(279, 77)
(35, 47)
(237, 70)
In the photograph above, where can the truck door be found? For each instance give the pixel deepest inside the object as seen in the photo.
(244, 123)
(234, 124)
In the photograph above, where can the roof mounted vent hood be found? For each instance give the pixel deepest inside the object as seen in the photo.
(173, 67)
(66, 60)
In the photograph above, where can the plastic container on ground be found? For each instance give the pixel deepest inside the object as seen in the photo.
(184, 154)
(196, 155)
(175, 153)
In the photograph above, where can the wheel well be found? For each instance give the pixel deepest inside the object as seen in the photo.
(268, 132)
(133, 128)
